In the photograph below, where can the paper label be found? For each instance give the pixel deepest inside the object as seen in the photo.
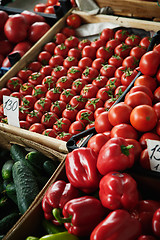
(11, 110)
(153, 147)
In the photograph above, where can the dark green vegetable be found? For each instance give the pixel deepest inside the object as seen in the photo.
(7, 222)
(11, 192)
(7, 170)
(50, 228)
(26, 185)
(49, 167)
(18, 153)
(3, 201)
(36, 159)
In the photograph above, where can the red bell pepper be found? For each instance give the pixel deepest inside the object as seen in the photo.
(118, 190)
(118, 225)
(81, 169)
(144, 212)
(56, 196)
(115, 155)
(156, 222)
(146, 237)
(81, 215)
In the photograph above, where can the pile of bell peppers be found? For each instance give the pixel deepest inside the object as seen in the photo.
(100, 200)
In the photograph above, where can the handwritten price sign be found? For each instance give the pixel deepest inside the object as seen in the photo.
(153, 147)
(11, 110)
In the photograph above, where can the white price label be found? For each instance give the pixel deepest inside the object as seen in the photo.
(153, 147)
(11, 110)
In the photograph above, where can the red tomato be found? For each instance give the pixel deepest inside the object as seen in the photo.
(104, 52)
(68, 31)
(24, 124)
(115, 60)
(113, 43)
(71, 42)
(34, 117)
(148, 135)
(78, 102)
(142, 88)
(24, 74)
(144, 159)
(74, 52)
(32, 17)
(103, 94)
(122, 50)
(46, 70)
(26, 89)
(89, 74)
(107, 34)
(39, 91)
(49, 82)
(37, 127)
(74, 72)
(52, 2)
(69, 62)
(49, 10)
(158, 75)
(64, 136)
(89, 51)
(55, 61)
(59, 38)
(108, 70)
(22, 46)
(59, 72)
(43, 105)
(62, 125)
(137, 52)
(137, 98)
(121, 34)
(64, 82)
(97, 43)
(58, 107)
(49, 47)
(145, 41)
(133, 40)
(76, 127)
(119, 71)
(28, 102)
(158, 128)
(97, 63)
(119, 113)
(136, 146)
(49, 132)
(5, 47)
(43, 57)
(73, 20)
(62, 50)
(89, 91)
(70, 113)
(37, 30)
(78, 84)
(1, 59)
(22, 113)
(148, 81)
(40, 7)
(53, 94)
(93, 103)
(124, 130)
(17, 95)
(112, 84)
(85, 62)
(67, 95)
(36, 78)
(3, 17)
(143, 118)
(97, 141)
(4, 91)
(156, 107)
(149, 63)
(128, 76)
(100, 81)
(16, 28)
(35, 66)
(102, 123)
(119, 91)
(85, 116)
(130, 62)
(99, 111)
(14, 84)
(48, 119)
(83, 43)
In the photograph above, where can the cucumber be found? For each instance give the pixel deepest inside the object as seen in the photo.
(49, 167)
(18, 153)
(11, 192)
(3, 201)
(8, 221)
(26, 185)
(36, 159)
(7, 170)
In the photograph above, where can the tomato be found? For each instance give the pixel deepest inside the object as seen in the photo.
(145, 41)
(89, 91)
(85, 116)
(124, 130)
(83, 43)
(14, 83)
(55, 61)
(149, 63)
(16, 28)
(142, 88)
(78, 102)
(89, 51)
(74, 52)
(107, 34)
(158, 75)
(133, 40)
(26, 88)
(49, 10)
(59, 38)
(59, 72)
(104, 52)
(36, 78)
(40, 7)
(121, 34)
(119, 91)
(35, 66)
(49, 132)
(112, 84)
(128, 76)
(64, 136)
(71, 42)
(136, 146)
(103, 94)
(157, 48)
(64, 82)
(148, 81)
(130, 62)
(49, 47)
(97, 43)
(22, 46)
(108, 70)
(137, 98)
(113, 43)
(32, 17)
(37, 30)
(85, 62)
(62, 125)
(34, 116)
(78, 84)
(57, 107)
(102, 123)
(5, 47)
(157, 95)
(39, 91)
(143, 118)
(119, 71)
(115, 60)
(46, 70)
(70, 113)
(49, 82)
(97, 63)
(148, 135)
(51, 2)
(97, 141)
(90, 125)
(122, 50)
(67, 95)
(17, 95)
(76, 127)
(28, 102)
(53, 94)
(100, 81)
(48, 119)
(43, 105)
(62, 50)
(119, 113)
(98, 111)
(89, 74)
(43, 57)
(158, 127)
(144, 159)
(137, 52)
(156, 107)
(23, 111)
(24, 74)
(68, 31)
(24, 124)
(69, 62)
(3, 17)
(4, 91)
(37, 127)
(93, 103)
(74, 72)
(73, 20)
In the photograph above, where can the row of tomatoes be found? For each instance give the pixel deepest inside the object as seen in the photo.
(65, 89)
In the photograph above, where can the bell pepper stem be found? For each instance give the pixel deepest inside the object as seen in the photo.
(125, 149)
(57, 214)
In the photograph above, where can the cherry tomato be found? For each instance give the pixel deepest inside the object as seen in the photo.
(70, 113)
(133, 40)
(121, 34)
(73, 21)
(59, 71)
(48, 119)
(124, 130)
(49, 47)
(89, 74)
(76, 127)
(71, 42)
(67, 31)
(78, 84)
(43, 57)
(83, 43)
(59, 38)
(37, 127)
(39, 7)
(49, 10)
(62, 125)
(53, 94)
(43, 105)
(51, 2)
(85, 62)
(55, 61)
(102, 123)
(58, 107)
(93, 103)
(107, 34)
(69, 62)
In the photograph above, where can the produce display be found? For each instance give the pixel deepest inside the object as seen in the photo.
(24, 172)
(19, 32)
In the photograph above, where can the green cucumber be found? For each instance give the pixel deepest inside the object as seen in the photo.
(36, 159)
(26, 185)
(49, 167)
(11, 192)
(8, 221)
(18, 153)
(7, 170)
(50, 228)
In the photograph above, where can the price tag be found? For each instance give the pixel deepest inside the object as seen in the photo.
(153, 147)
(11, 110)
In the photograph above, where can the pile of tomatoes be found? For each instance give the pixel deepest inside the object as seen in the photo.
(18, 33)
(72, 81)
